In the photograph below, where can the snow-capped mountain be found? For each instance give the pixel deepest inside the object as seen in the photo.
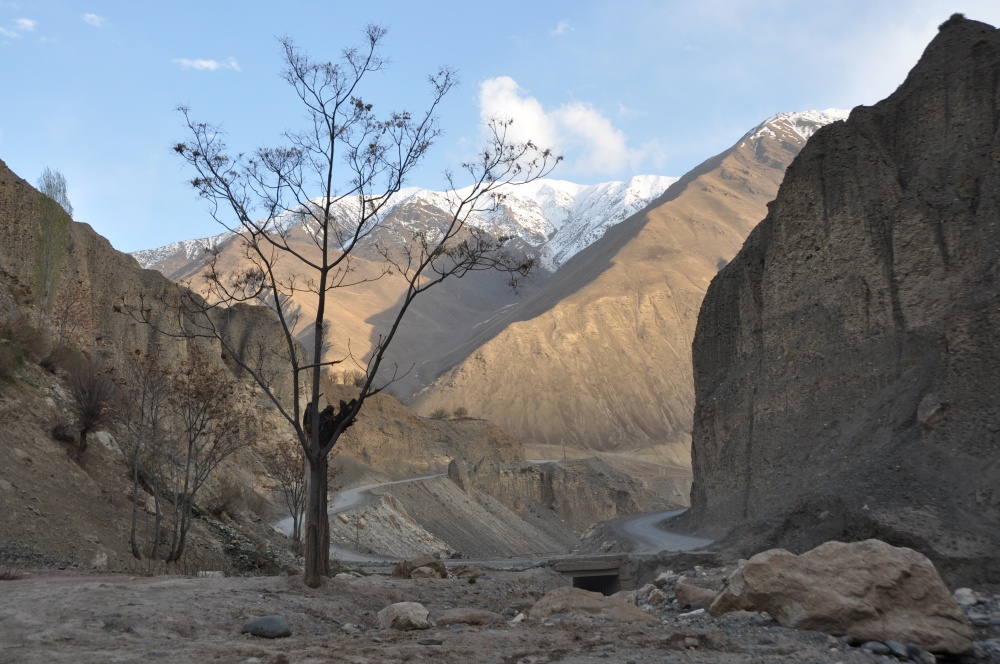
(803, 124)
(185, 249)
(555, 218)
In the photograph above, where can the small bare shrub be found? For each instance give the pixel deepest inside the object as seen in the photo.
(64, 433)
(461, 411)
(439, 414)
(11, 358)
(61, 359)
(91, 393)
(228, 498)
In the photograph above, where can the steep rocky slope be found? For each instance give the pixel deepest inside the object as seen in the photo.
(598, 359)
(846, 360)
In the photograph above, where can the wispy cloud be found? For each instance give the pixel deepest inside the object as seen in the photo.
(20, 25)
(208, 65)
(95, 20)
(589, 141)
(562, 27)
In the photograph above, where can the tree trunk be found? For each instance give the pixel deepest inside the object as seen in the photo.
(317, 543)
(135, 509)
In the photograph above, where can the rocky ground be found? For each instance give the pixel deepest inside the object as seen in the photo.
(65, 616)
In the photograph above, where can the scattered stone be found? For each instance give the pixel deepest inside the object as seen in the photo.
(404, 616)
(869, 590)
(691, 642)
(898, 649)
(918, 655)
(344, 575)
(732, 597)
(423, 573)
(405, 568)
(627, 596)
(965, 597)
(268, 627)
(468, 617)
(465, 571)
(519, 618)
(431, 641)
(664, 578)
(876, 648)
(656, 597)
(688, 593)
(350, 628)
(280, 658)
(578, 602)
(693, 614)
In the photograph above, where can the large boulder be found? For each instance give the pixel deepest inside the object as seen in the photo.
(868, 590)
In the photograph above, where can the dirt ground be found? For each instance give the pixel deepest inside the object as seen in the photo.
(52, 616)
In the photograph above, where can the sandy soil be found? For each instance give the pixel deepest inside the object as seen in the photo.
(91, 617)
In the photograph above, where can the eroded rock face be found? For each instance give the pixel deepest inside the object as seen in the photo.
(579, 491)
(845, 361)
(868, 590)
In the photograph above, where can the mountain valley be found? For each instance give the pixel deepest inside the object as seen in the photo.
(795, 344)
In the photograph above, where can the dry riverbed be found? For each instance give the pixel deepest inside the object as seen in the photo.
(50, 616)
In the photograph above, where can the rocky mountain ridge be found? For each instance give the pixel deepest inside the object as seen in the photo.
(554, 219)
(845, 360)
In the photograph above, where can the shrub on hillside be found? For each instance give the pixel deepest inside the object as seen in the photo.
(439, 414)
(61, 359)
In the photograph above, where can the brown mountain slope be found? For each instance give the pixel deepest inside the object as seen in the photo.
(599, 358)
(365, 306)
(846, 361)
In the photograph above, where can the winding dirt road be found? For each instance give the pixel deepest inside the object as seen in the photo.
(642, 530)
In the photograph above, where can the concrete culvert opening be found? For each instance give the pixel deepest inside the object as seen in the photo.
(606, 584)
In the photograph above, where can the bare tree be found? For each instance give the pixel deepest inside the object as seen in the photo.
(141, 413)
(287, 467)
(211, 426)
(335, 179)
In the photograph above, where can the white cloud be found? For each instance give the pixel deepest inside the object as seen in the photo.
(208, 65)
(25, 24)
(590, 144)
(561, 28)
(8, 33)
(95, 20)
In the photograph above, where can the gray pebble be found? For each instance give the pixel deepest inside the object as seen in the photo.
(430, 642)
(876, 648)
(898, 649)
(268, 627)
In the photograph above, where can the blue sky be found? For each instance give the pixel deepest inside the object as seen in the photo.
(621, 87)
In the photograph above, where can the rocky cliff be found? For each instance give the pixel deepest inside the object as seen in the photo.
(846, 360)
(95, 280)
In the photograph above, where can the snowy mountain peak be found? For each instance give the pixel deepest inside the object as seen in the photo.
(801, 124)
